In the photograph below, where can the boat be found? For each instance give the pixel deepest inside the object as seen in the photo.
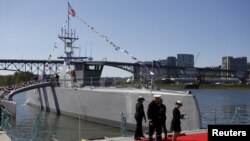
(77, 92)
(192, 86)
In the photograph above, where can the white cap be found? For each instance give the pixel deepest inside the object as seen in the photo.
(157, 95)
(178, 102)
(140, 98)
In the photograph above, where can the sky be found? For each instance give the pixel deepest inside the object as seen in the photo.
(147, 29)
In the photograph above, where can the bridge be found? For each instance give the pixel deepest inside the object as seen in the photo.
(33, 66)
(53, 67)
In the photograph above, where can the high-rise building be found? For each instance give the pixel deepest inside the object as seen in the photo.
(238, 64)
(185, 60)
(171, 61)
(235, 64)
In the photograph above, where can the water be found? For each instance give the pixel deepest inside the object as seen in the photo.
(62, 127)
(217, 106)
(223, 106)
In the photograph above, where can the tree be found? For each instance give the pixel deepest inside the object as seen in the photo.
(17, 78)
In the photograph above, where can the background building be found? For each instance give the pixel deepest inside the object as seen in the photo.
(163, 62)
(185, 60)
(238, 64)
(235, 64)
(171, 61)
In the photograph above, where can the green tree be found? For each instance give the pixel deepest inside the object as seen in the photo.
(8, 80)
(16, 78)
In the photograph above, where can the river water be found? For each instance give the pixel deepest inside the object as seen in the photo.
(217, 106)
(64, 128)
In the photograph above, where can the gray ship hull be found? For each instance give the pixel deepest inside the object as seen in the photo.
(106, 105)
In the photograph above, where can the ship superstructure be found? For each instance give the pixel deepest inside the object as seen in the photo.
(75, 71)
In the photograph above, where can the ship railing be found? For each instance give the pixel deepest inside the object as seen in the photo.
(35, 127)
(36, 132)
(99, 82)
(86, 134)
(124, 128)
(5, 117)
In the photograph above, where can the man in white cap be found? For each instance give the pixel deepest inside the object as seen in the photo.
(176, 120)
(154, 118)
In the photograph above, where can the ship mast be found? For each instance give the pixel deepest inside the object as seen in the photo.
(68, 36)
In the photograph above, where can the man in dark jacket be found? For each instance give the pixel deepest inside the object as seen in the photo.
(154, 118)
(139, 116)
(163, 117)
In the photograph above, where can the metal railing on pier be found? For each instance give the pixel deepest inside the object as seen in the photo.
(37, 132)
(237, 115)
(4, 119)
(5, 122)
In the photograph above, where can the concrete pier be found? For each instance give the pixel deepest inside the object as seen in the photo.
(4, 136)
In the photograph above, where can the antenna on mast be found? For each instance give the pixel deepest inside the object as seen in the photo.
(86, 43)
(91, 49)
(90, 58)
(68, 36)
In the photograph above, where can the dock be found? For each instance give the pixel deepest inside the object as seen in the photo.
(4, 136)
(185, 136)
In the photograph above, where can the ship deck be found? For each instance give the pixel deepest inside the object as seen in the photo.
(135, 90)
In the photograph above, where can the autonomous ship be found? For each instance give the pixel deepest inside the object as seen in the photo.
(77, 92)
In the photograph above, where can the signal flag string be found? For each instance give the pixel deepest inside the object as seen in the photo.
(72, 13)
(106, 38)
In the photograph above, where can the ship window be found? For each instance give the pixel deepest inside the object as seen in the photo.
(93, 67)
(69, 44)
(98, 67)
(78, 67)
(90, 67)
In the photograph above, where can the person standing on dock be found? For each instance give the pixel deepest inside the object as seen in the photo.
(154, 118)
(163, 117)
(176, 120)
(139, 116)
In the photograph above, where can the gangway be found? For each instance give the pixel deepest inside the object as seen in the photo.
(11, 105)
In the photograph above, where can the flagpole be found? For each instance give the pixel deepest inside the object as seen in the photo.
(68, 19)
(152, 69)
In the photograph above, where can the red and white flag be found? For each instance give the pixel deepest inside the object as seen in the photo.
(72, 12)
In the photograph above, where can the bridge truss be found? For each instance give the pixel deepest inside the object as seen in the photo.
(33, 66)
(49, 67)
